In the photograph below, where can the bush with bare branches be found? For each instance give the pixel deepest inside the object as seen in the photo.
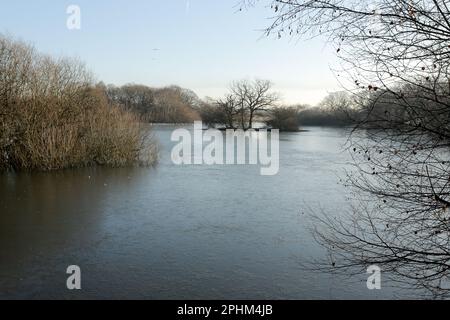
(53, 117)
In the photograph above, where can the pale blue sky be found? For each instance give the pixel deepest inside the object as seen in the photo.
(204, 44)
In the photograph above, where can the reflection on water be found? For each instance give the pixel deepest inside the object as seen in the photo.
(178, 232)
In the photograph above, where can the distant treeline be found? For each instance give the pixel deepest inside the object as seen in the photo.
(246, 103)
(370, 108)
(336, 110)
(254, 101)
(157, 105)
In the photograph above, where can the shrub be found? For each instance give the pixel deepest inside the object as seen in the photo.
(53, 117)
(284, 119)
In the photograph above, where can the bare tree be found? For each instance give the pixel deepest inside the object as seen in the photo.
(396, 55)
(246, 100)
(339, 100)
(230, 109)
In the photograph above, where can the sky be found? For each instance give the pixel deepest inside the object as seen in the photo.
(202, 45)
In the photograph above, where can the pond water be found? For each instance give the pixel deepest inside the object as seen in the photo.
(177, 232)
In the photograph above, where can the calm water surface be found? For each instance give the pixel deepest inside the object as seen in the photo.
(176, 232)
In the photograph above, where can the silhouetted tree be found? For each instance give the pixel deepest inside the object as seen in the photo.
(337, 109)
(252, 98)
(230, 109)
(396, 54)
